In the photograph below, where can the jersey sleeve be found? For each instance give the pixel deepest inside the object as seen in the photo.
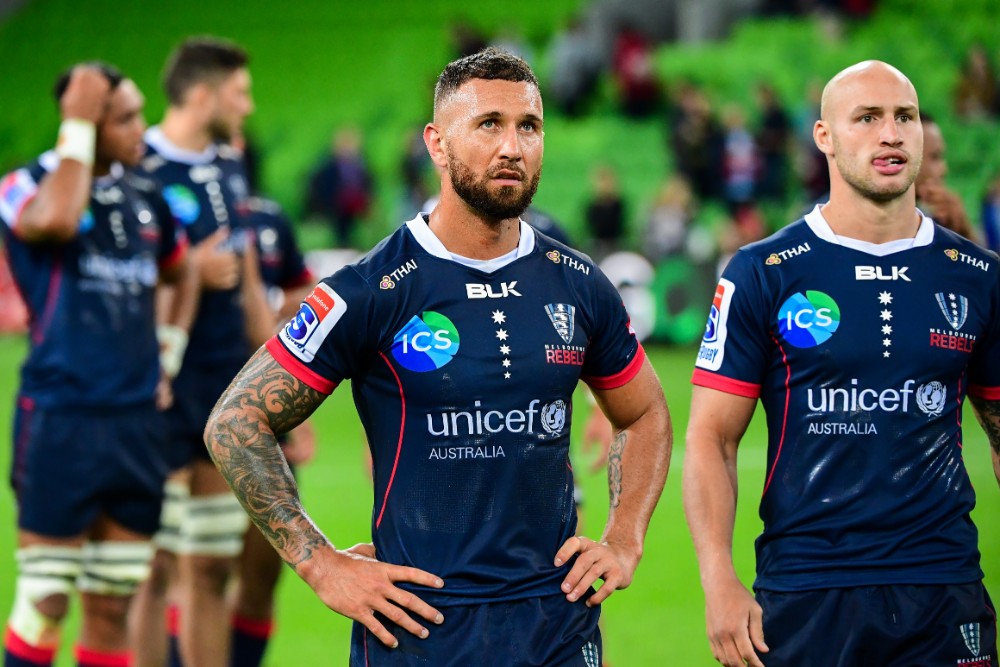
(984, 367)
(293, 272)
(735, 349)
(614, 355)
(332, 336)
(173, 238)
(17, 189)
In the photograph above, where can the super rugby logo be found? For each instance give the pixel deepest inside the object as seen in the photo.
(426, 343)
(713, 343)
(807, 320)
(317, 315)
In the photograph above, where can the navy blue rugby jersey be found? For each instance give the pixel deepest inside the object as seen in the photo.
(281, 263)
(464, 379)
(861, 355)
(204, 191)
(91, 299)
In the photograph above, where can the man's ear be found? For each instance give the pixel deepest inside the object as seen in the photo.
(822, 137)
(434, 140)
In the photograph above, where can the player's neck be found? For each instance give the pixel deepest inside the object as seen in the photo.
(183, 128)
(466, 234)
(860, 218)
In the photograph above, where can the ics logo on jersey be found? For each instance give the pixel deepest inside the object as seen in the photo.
(183, 204)
(808, 320)
(317, 315)
(426, 343)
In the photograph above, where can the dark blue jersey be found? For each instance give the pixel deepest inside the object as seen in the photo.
(91, 299)
(204, 191)
(861, 355)
(281, 263)
(464, 378)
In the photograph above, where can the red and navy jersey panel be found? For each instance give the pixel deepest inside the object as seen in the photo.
(91, 299)
(205, 191)
(463, 377)
(862, 356)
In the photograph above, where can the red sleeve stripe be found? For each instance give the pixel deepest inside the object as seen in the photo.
(703, 378)
(622, 377)
(177, 255)
(989, 393)
(291, 364)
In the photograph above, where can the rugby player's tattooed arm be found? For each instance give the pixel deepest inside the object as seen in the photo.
(262, 402)
(637, 469)
(988, 414)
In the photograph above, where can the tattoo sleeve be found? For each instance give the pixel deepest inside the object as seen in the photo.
(615, 468)
(988, 413)
(264, 401)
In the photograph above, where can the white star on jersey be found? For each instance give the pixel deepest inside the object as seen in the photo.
(501, 334)
(886, 315)
(504, 349)
(887, 329)
(884, 298)
(498, 317)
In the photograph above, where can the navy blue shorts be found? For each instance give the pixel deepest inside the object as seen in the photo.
(72, 464)
(881, 626)
(547, 631)
(196, 390)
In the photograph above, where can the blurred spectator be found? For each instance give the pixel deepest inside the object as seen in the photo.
(633, 73)
(605, 213)
(546, 224)
(811, 165)
(415, 168)
(773, 142)
(740, 161)
(695, 140)
(574, 69)
(991, 215)
(666, 230)
(933, 196)
(511, 40)
(340, 188)
(976, 91)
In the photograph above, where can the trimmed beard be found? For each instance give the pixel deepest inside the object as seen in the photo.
(505, 203)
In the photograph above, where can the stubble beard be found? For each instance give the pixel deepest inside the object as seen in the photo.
(866, 186)
(493, 206)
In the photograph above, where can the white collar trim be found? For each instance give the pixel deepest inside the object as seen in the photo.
(429, 241)
(154, 137)
(821, 228)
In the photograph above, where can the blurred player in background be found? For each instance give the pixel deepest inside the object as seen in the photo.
(861, 329)
(88, 242)
(288, 281)
(207, 84)
(933, 196)
(465, 334)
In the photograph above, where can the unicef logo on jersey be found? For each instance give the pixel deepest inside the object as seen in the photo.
(931, 398)
(809, 320)
(183, 204)
(554, 417)
(426, 343)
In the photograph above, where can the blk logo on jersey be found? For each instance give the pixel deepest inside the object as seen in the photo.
(481, 291)
(183, 203)
(317, 315)
(810, 319)
(563, 318)
(426, 343)
(881, 273)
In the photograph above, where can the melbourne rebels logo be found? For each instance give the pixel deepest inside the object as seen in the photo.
(426, 343)
(955, 308)
(561, 315)
(807, 320)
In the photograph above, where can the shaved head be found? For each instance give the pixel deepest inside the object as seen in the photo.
(843, 85)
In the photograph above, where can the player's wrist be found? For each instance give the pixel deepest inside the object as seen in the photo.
(173, 344)
(77, 140)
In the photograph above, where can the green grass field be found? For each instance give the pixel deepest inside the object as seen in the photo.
(659, 621)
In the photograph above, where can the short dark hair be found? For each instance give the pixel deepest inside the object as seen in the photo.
(200, 60)
(110, 72)
(490, 63)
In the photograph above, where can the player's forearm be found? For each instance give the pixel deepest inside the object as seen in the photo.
(258, 317)
(710, 492)
(638, 461)
(241, 440)
(54, 213)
